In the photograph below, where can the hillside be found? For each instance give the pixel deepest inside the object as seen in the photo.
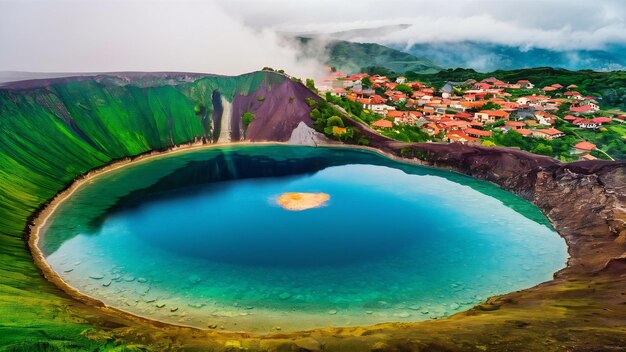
(486, 57)
(54, 130)
(609, 87)
(352, 57)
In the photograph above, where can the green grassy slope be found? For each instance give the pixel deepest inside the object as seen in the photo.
(50, 135)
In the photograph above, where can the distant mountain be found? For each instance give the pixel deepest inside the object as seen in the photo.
(487, 57)
(352, 57)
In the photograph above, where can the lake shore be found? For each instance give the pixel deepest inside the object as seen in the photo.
(540, 302)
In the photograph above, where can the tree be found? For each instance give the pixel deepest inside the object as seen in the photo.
(488, 143)
(247, 118)
(367, 82)
(491, 106)
(404, 89)
(334, 121)
(542, 149)
(311, 84)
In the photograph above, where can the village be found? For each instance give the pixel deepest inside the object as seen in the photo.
(554, 120)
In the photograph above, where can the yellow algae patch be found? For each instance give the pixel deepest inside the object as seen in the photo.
(297, 201)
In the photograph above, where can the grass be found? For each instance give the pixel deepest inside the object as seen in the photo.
(48, 136)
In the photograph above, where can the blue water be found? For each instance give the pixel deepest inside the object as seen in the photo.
(198, 238)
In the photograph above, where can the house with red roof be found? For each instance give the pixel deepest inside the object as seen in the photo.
(489, 116)
(582, 148)
(547, 133)
(459, 136)
(584, 123)
(463, 116)
(382, 123)
(524, 83)
(514, 125)
(573, 95)
(524, 132)
(582, 109)
(476, 133)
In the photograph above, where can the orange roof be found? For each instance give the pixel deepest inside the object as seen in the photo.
(395, 113)
(588, 157)
(459, 136)
(585, 146)
(498, 113)
(550, 131)
(524, 132)
(477, 132)
(515, 124)
(382, 123)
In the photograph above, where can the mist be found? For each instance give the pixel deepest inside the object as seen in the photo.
(136, 35)
(554, 25)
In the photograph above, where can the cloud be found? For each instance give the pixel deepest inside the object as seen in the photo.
(555, 24)
(135, 35)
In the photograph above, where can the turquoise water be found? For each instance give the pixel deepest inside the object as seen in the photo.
(197, 238)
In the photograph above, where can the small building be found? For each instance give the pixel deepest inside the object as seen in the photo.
(382, 123)
(476, 133)
(524, 83)
(583, 148)
(583, 109)
(489, 116)
(514, 125)
(584, 123)
(547, 133)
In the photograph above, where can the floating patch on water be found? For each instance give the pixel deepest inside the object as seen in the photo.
(297, 201)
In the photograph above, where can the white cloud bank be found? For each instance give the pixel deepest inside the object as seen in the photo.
(136, 35)
(235, 36)
(554, 24)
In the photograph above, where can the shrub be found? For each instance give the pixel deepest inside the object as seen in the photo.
(247, 118)
(334, 121)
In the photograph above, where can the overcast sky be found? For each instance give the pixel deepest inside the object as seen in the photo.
(234, 36)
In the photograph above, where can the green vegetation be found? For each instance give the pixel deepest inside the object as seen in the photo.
(404, 89)
(334, 121)
(491, 106)
(52, 135)
(350, 57)
(367, 82)
(325, 116)
(260, 98)
(610, 139)
(247, 118)
(311, 84)
(407, 133)
(609, 87)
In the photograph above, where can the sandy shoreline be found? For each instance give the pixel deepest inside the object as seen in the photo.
(39, 222)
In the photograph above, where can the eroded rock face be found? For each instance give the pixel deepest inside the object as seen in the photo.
(305, 135)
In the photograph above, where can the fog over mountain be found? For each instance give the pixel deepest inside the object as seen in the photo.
(482, 34)
(234, 36)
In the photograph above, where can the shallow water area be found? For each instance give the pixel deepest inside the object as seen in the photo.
(198, 238)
